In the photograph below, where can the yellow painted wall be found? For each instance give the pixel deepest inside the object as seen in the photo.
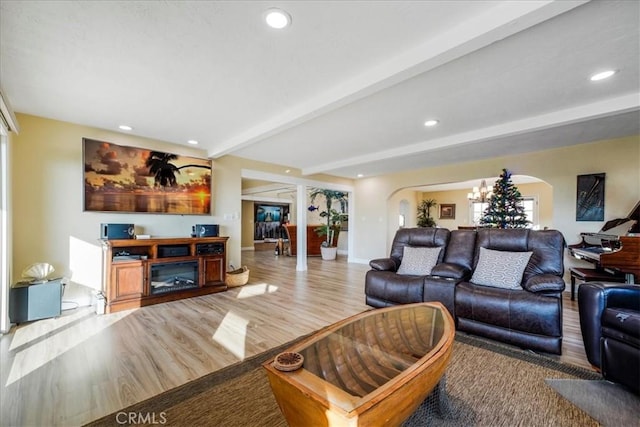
(542, 191)
(376, 198)
(47, 186)
(49, 224)
(247, 224)
(47, 201)
(229, 171)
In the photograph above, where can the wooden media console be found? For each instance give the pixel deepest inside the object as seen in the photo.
(150, 271)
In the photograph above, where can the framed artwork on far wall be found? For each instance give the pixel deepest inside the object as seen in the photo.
(268, 219)
(447, 211)
(590, 197)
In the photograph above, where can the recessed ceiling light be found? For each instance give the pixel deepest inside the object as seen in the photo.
(287, 171)
(360, 175)
(125, 127)
(192, 142)
(603, 75)
(277, 18)
(430, 123)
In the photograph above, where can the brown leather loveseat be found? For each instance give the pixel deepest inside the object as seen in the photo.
(502, 284)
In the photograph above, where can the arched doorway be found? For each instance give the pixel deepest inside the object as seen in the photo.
(455, 210)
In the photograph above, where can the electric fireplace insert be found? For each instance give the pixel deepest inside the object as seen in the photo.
(173, 276)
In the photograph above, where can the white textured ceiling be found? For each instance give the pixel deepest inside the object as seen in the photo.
(345, 89)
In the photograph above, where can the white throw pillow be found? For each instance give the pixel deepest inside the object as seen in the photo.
(418, 261)
(500, 269)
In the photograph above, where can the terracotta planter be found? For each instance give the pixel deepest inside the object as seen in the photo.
(328, 253)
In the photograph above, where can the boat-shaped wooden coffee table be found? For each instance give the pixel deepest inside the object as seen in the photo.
(372, 369)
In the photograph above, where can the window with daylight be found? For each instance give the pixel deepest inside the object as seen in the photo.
(476, 209)
(530, 204)
(403, 213)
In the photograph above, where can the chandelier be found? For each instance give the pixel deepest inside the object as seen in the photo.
(480, 194)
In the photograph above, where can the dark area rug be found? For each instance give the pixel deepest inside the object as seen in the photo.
(487, 384)
(609, 403)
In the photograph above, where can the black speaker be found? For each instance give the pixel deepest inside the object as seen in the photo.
(117, 231)
(205, 230)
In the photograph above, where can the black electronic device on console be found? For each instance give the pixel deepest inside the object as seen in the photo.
(168, 251)
(205, 230)
(126, 257)
(117, 231)
(209, 248)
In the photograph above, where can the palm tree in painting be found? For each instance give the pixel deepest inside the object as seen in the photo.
(165, 172)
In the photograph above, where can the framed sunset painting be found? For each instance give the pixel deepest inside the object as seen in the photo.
(118, 178)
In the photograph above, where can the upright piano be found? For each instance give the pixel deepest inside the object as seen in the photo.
(616, 248)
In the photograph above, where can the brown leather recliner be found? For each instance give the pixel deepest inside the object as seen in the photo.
(384, 286)
(530, 317)
(610, 324)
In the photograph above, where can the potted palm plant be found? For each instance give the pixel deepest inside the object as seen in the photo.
(424, 213)
(331, 229)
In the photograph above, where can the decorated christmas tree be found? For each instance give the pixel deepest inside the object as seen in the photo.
(505, 209)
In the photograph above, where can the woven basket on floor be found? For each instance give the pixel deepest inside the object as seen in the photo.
(237, 277)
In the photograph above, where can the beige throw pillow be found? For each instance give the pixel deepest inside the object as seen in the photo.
(418, 261)
(500, 269)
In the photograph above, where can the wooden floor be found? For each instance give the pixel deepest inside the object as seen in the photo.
(79, 367)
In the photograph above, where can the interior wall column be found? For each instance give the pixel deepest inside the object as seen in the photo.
(301, 221)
